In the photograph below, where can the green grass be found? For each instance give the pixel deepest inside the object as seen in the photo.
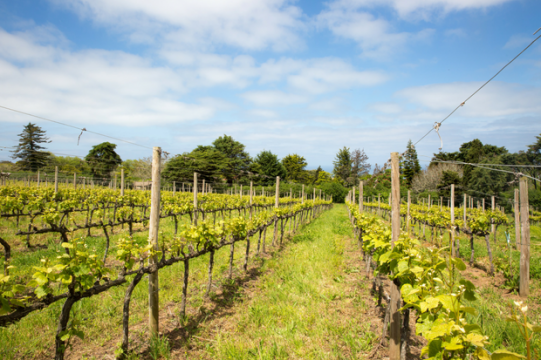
(297, 311)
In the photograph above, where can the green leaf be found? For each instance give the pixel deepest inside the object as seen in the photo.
(536, 328)
(434, 347)
(459, 264)
(473, 328)
(469, 310)
(66, 245)
(40, 292)
(482, 354)
(506, 355)
(64, 335)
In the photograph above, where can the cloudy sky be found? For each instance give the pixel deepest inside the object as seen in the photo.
(305, 77)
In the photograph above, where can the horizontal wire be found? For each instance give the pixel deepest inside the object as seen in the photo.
(75, 127)
(479, 89)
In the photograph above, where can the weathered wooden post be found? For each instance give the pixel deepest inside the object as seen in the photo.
(524, 288)
(121, 182)
(517, 219)
(453, 247)
(153, 282)
(38, 179)
(55, 179)
(395, 318)
(174, 188)
(74, 181)
(302, 195)
(194, 221)
(361, 197)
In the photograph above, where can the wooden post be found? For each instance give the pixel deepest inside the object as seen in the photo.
(302, 195)
(74, 181)
(174, 188)
(429, 202)
(517, 220)
(524, 287)
(492, 220)
(153, 283)
(441, 203)
(395, 318)
(203, 188)
(38, 179)
(251, 199)
(465, 207)
(55, 179)
(277, 195)
(241, 192)
(361, 197)
(121, 182)
(194, 198)
(453, 247)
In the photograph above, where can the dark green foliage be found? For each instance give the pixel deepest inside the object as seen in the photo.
(342, 166)
(269, 166)
(207, 161)
(295, 166)
(237, 159)
(410, 164)
(102, 159)
(336, 190)
(534, 157)
(29, 151)
(444, 187)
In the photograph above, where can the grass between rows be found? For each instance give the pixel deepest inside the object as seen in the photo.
(305, 306)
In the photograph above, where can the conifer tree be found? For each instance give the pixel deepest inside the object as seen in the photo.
(410, 164)
(29, 151)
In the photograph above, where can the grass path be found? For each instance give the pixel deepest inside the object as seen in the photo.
(310, 302)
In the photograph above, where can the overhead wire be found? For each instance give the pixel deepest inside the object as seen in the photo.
(476, 91)
(75, 127)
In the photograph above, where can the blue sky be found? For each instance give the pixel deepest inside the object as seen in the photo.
(303, 77)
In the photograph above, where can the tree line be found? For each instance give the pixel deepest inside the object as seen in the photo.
(225, 161)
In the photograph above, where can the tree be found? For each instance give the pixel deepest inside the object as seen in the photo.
(207, 161)
(237, 159)
(534, 156)
(269, 167)
(336, 190)
(102, 159)
(323, 177)
(430, 178)
(410, 164)
(342, 166)
(295, 165)
(29, 151)
(360, 165)
(447, 179)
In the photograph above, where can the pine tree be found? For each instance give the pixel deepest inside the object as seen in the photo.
(342, 166)
(29, 151)
(410, 164)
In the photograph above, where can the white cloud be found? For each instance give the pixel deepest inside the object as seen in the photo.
(375, 36)
(263, 113)
(421, 8)
(386, 107)
(91, 86)
(247, 24)
(319, 75)
(273, 98)
(497, 99)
